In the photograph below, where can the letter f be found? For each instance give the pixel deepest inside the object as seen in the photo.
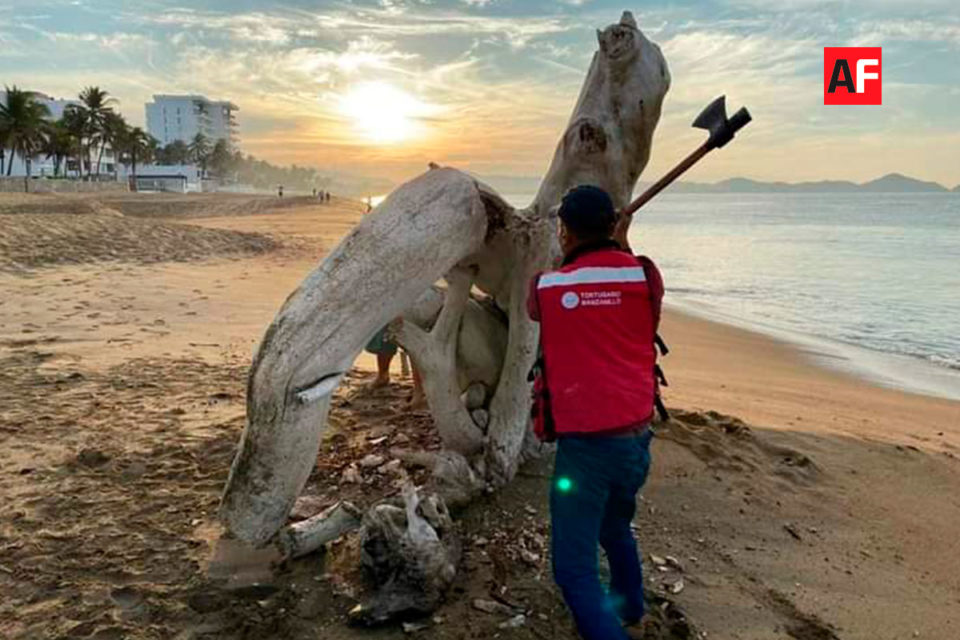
(863, 75)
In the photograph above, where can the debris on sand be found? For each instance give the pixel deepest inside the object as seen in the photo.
(793, 531)
(92, 458)
(675, 586)
(372, 461)
(492, 606)
(307, 507)
(351, 476)
(665, 620)
(413, 627)
(394, 466)
(411, 554)
(515, 622)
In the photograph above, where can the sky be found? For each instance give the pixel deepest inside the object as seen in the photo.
(382, 87)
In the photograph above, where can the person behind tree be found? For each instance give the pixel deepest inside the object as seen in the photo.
(385, 350)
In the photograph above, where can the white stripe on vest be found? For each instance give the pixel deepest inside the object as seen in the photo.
(592, 275)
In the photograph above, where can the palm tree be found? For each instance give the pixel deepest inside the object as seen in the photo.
(74, 121)
(115, 134)
(221, 158)
(97, 104)
(59, 144)
(135, 146)
(177, 152)
(200, 152)
(22, 123)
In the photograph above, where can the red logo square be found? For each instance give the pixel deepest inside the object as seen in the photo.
(852, 75)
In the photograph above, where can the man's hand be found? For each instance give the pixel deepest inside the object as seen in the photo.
(620, 232)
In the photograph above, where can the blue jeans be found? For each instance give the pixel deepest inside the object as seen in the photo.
(593, 500)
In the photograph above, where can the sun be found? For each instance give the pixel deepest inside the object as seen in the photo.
(383, 113)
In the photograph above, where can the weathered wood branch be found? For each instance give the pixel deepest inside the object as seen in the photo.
(307, 536)
(434, 353)
(325, 323)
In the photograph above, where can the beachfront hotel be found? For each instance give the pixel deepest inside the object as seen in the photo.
(181, 117)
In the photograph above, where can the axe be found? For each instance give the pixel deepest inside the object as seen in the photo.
(722, 129)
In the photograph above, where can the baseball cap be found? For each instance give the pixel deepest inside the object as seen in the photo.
(588, 211)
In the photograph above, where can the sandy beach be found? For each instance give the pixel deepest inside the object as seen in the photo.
(801, 502)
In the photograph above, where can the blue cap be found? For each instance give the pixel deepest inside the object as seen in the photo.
(588, 211)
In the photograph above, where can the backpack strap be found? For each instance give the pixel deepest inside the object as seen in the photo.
(656, 288)
(655, 285)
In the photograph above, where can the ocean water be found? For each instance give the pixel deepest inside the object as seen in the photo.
(869, 283)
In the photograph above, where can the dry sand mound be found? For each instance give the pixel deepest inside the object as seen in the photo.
(37, 203)
(196, 205)
(28, 241)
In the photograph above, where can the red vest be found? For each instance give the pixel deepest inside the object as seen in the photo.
(598, 318)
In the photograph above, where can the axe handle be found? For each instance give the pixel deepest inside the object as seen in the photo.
(665, 181)
(626, 215)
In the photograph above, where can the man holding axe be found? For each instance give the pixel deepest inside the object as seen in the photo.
(596, 390)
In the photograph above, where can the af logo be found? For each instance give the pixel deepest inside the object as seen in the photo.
(852, 75)
(570, 300)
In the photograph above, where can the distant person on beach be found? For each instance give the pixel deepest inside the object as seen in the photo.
(279, 190)
(385, 350)
(314, 192)
(595, 394)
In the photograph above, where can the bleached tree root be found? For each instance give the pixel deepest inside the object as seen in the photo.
(434, 353)
(443, 224)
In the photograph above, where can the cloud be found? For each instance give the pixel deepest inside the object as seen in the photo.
(119, 41)
(878, 33)
(503, 84)
(772, 73)
(384, 22)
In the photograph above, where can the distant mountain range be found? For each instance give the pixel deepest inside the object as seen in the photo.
(890, 183)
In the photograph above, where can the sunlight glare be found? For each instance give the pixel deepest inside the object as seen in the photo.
(384, 114)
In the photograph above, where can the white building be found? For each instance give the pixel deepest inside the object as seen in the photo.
(41, 165)
(172, 118)
(180, 178)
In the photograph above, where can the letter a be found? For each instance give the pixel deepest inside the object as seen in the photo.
(847, 81)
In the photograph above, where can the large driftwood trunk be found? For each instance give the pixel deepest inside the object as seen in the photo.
(443, 224)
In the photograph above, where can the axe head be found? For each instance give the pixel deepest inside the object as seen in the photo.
(722, 129)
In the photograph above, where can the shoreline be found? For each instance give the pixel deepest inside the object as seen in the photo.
(772, 382)
(896, 371)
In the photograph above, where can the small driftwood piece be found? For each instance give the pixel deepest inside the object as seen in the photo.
(308, 535)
